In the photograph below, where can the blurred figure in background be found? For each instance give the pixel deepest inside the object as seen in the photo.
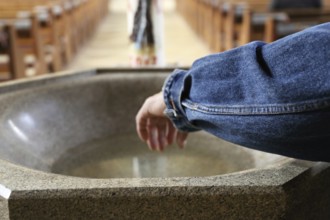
(145, 28)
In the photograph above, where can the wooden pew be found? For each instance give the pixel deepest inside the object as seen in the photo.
(33, 34)
(44, 40)
(28, 38)
(225, 24)
(84, 16)
(49, 31)
(255, 20)
(298, 19)
(62, 26)
(218, 26)
(11, 64)
(239, 22)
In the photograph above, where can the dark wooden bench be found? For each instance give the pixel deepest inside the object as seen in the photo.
(11, 62)
(225, 24)
(47, 34)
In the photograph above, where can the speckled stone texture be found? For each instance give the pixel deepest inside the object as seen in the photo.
(279, 188)
(4, 212)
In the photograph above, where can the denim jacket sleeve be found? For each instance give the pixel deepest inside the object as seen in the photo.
(248, 95)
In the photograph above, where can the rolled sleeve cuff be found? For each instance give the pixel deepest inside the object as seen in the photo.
(172, 91)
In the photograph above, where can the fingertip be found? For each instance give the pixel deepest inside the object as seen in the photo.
(143, 134)
(182, 139)
(151, 146)
(164, 142)
(142, 131)
(171, 133)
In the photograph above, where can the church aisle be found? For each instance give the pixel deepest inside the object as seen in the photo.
(109, 46)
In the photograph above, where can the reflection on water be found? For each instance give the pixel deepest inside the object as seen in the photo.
(126, 156)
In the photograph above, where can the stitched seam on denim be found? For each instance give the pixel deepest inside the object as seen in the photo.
(179, 119)
(167, 85)
(259, 109)
(183, 122)
(166, 93)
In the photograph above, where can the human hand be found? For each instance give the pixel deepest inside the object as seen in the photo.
(154, 127)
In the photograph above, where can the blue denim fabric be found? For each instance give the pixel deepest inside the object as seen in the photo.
(270, 97)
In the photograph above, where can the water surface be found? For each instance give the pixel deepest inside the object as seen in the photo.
(125, 156)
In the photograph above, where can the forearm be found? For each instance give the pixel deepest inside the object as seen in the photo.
(288, 76)
(257, 74)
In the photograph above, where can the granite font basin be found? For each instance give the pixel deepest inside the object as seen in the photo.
(86, 128)
(68, 150)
